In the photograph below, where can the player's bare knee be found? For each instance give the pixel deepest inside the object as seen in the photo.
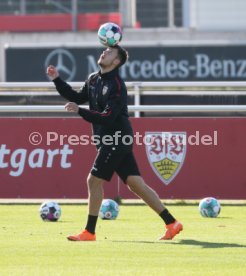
(130, 188)
(93, 182)
(134, 182)
(89, 180)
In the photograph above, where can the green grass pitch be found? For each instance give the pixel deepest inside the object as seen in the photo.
(126, 246)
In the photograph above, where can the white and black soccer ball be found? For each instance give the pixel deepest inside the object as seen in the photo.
(209, 207)
(109, 34)
(109, 209)
(50, 211)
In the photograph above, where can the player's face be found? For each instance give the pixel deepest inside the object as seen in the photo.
(108, 58)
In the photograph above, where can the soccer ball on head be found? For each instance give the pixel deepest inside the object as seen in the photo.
(50, 211)
(109, 34)
(109, 209)
(209, 207)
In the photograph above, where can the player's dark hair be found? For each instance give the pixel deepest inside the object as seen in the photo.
(122, 54)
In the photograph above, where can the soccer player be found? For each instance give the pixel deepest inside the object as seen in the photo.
(107, 96)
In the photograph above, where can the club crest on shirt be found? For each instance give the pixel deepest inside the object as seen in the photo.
(104, 90)
(166, 153)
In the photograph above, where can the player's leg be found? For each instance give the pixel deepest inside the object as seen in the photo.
(95, 197)
(142, 190)
(129, 173)
(95, 194)
(102, 170)
(147, 194)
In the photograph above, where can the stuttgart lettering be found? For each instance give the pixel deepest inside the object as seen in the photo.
(15, 160)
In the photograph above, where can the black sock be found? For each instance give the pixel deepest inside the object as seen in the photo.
(167, 217)
(91, 224)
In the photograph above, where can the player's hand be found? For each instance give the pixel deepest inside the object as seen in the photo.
(52, 72)
(72, 107)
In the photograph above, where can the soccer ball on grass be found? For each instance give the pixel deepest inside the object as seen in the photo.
(109, 209)
(109, 34)
(50, 211)
(209, 207)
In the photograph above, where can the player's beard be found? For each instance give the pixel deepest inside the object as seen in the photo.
(102, 65)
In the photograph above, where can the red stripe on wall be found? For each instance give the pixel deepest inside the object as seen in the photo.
(55, 22)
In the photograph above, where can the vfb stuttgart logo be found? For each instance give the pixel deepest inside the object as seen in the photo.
(166, 153)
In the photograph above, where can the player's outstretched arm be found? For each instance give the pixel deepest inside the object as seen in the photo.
(52, 72)
(64, 89)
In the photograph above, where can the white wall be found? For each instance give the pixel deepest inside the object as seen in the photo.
(224, 15)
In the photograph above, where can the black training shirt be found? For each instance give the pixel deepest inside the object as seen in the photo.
(107, 97)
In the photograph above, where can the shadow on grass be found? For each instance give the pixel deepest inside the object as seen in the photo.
(57, 222)
(205, 244)
(63, 221)
(149, 242)
(218, 218)
(202, 244)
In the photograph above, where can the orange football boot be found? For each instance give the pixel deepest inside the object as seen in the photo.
(83, 236)
(172, 230)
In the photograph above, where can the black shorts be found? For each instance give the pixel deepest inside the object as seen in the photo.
(110, 160)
